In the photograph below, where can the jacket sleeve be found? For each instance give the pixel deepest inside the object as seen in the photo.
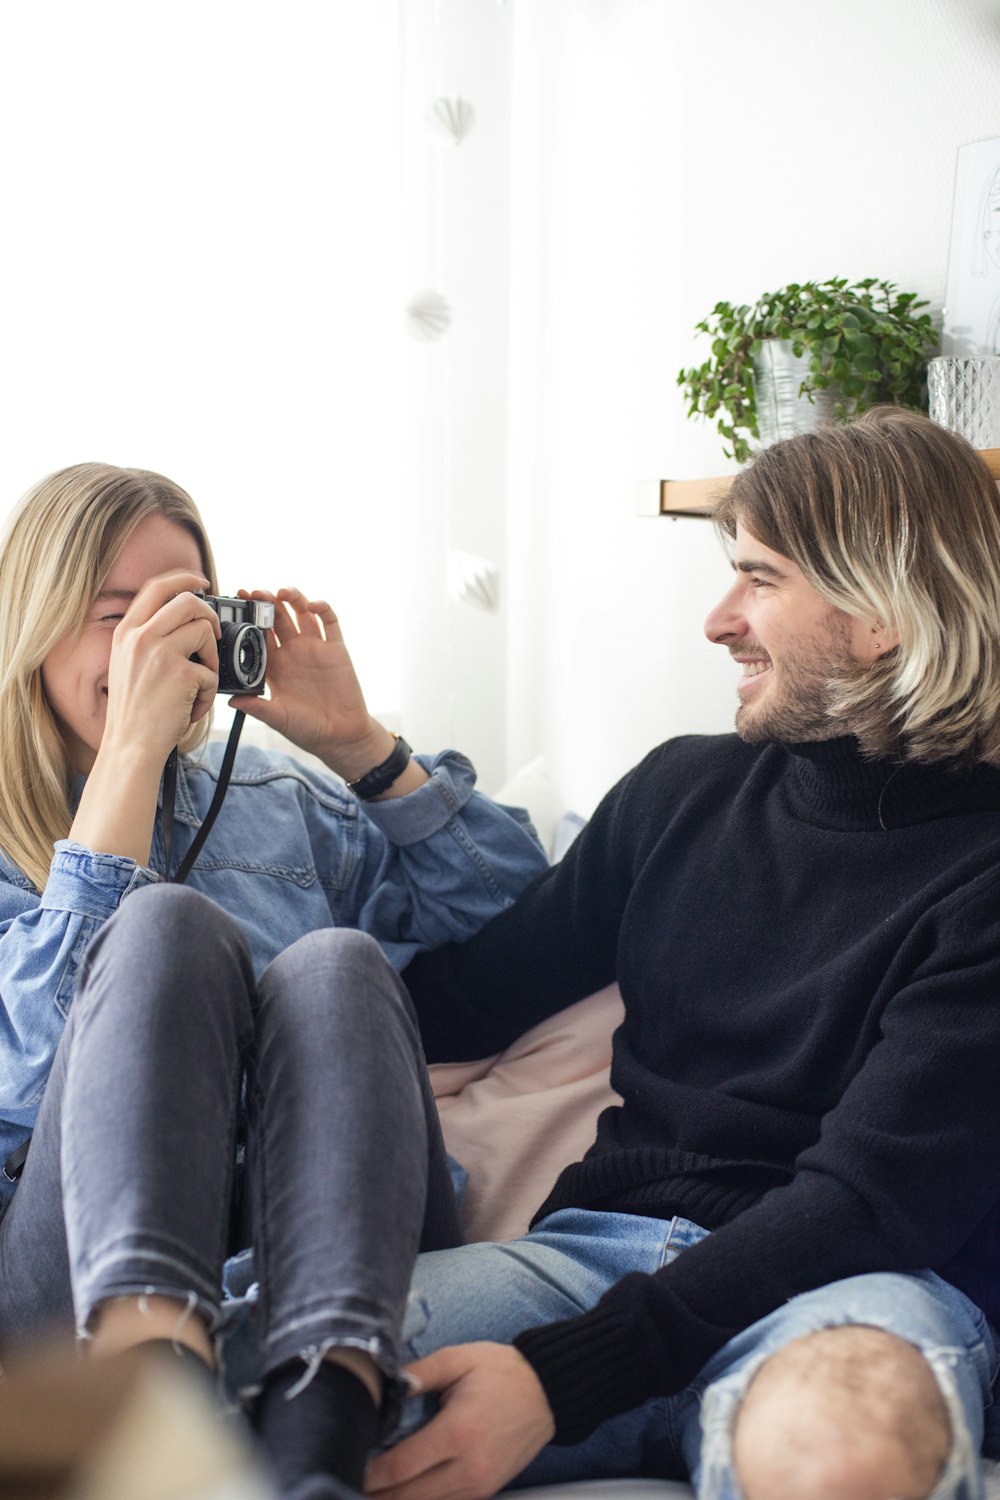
(436, 864)
(556, 944)
(905, 1174)
(42, 941)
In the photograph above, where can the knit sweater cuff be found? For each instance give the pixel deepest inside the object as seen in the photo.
(589, 1368)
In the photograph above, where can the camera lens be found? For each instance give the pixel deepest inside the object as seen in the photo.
(242, 659)
(249, 661)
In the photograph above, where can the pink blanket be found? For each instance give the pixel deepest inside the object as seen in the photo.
(516, 1119)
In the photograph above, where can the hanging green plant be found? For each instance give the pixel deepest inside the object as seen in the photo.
(866, 342)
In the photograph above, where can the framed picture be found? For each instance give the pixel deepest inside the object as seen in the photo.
(972, 302)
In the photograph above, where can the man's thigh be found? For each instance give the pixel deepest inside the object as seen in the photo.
(565, 1265)
(921, 1309)
(494, 1291)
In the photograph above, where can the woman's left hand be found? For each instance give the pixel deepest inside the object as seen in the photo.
(315, 698)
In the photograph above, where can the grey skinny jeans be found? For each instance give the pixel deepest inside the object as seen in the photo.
(128, 1186)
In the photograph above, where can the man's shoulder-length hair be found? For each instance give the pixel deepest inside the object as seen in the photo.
(894, 519)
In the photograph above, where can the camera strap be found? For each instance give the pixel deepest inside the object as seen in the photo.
(170, 792)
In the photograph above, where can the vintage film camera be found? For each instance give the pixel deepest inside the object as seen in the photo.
(242, 645)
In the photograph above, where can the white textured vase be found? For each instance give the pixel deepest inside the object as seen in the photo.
(777, 378)
(964, 396)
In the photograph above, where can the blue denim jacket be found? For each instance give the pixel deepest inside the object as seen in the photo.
(292, 851)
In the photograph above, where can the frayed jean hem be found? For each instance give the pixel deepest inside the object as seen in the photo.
(123, 1274)
(245, 1358)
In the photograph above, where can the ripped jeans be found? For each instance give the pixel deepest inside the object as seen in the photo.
(128, 1187)
(572, 1257)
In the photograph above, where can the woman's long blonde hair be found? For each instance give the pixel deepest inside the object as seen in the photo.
(894, 519)
(58, 547)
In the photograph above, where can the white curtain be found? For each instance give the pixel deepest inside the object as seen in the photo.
(546, 230)
(456, 264)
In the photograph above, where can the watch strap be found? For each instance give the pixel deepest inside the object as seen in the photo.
(378, 780)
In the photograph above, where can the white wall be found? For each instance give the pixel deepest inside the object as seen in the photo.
(667, 155)
(199, 273)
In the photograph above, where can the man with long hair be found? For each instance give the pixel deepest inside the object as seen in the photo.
(777, 1270)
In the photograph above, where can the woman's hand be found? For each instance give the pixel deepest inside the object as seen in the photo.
(155, 692)
(164, 669)
(315, 699)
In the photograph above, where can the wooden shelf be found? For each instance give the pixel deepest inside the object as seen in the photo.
(680, 497)
(696, 497)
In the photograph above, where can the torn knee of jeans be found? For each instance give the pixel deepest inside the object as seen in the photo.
(722, 1402)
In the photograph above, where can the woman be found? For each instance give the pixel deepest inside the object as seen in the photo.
(131, 1008)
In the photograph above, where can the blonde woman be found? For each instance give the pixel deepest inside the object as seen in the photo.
(132, 1008)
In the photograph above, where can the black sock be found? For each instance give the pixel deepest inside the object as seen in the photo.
(328, 1427)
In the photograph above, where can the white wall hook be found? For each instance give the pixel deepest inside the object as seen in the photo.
(473, 580)
(427, 316)
(451, 120)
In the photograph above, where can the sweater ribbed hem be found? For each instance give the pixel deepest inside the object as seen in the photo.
(662, 1183)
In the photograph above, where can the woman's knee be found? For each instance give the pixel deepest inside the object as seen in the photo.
(167, 937)
(334, 995)
(183, 917)
(843, 1412)
(335, 964)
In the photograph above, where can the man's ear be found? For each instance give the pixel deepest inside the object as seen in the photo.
(886, 637)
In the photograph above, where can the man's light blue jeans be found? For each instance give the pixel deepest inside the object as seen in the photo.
(566, 1263)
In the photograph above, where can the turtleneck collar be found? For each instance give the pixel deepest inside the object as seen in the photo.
(832, 783)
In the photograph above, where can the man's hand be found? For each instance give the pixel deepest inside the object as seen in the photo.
(494, 1419)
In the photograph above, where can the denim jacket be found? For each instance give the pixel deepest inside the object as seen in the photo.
(292, 851)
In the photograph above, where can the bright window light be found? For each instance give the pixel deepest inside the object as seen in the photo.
(201, 276)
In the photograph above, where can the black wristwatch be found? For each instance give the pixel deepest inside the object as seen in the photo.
(380, 779)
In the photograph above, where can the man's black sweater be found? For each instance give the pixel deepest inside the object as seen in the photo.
(808, 950)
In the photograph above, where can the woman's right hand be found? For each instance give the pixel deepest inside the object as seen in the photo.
(163, 672)
(155, 693)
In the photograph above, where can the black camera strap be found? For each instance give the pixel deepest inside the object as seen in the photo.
(170, 792)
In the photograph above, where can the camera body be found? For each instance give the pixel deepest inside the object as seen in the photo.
(242, 645)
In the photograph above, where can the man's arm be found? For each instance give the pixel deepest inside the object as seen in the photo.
(556, 944)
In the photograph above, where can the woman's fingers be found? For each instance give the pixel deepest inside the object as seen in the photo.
(294, 614)
(178, 590)
(313, 616)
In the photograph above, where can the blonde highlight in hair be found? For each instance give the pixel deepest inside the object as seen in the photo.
(57, 548)
(893, 519)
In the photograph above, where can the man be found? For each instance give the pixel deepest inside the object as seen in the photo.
(773, 1272)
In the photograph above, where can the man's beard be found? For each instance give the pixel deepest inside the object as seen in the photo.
(811, 677)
